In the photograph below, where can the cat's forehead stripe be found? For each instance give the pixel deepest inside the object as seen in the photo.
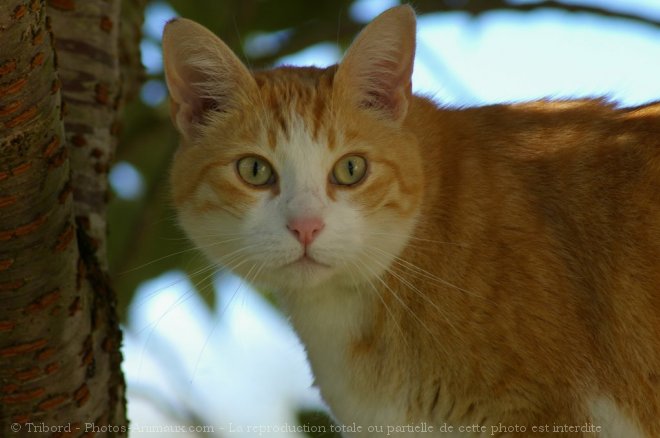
(331, 142)
(272, 138)
(287, 94)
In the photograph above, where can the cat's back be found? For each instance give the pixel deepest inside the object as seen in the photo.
(584, 160)
(583, 174)
(585, 168)
(538, 130)
(549, 131)
(558, 204)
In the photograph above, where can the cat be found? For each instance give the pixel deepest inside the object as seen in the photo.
(489, 271)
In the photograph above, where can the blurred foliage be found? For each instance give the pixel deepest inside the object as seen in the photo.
(318, 423)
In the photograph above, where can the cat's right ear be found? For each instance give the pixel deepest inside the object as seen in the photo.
(203, 75)
(376, 71)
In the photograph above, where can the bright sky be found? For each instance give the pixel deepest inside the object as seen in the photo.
(243, 365)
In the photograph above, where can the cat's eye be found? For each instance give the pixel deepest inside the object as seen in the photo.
(349, 170)
(255, 171)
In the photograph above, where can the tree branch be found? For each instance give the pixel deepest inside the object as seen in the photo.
(478, 8)
(311, 33)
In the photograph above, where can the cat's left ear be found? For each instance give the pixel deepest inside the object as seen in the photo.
(203, 76)
(376, 72)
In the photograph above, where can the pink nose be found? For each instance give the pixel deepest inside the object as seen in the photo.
(306, 228)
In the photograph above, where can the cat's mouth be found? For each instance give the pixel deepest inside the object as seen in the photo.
(307, 261)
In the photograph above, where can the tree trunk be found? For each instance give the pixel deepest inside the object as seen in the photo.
(59, 334)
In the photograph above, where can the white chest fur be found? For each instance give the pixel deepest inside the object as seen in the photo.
(328, 320)
(612, 420)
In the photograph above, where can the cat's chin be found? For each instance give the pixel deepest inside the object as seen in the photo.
(299, 274)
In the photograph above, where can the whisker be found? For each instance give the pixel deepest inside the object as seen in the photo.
(226, 259)
(188, 294)
(215, 325)
(150, 295)
(256, 274)
(182, 299)
(214, 235)
(177, 253)
(419, 293)
(377, 293)
(398, 298)
(425, 274)
(419, 239)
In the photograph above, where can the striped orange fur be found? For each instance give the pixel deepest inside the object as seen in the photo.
(487, 271)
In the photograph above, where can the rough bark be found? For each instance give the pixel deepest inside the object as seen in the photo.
(59, 335)
(87, 45)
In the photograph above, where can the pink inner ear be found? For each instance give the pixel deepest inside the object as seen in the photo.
(191, 94)
(384, 90)
(376, 71)
(199, 107)
(191, 98)
(202, 74)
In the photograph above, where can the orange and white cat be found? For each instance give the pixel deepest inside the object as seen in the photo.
(486, 271)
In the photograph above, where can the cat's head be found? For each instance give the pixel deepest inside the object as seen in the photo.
(296, 176)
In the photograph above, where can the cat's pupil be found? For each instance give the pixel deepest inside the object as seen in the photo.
(255, 168)
(351, 167)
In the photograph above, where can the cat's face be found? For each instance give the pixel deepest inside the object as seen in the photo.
(293, 192)
(292, 177)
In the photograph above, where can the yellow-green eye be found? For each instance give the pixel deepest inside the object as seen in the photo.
(349, 170)
(255, 171)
